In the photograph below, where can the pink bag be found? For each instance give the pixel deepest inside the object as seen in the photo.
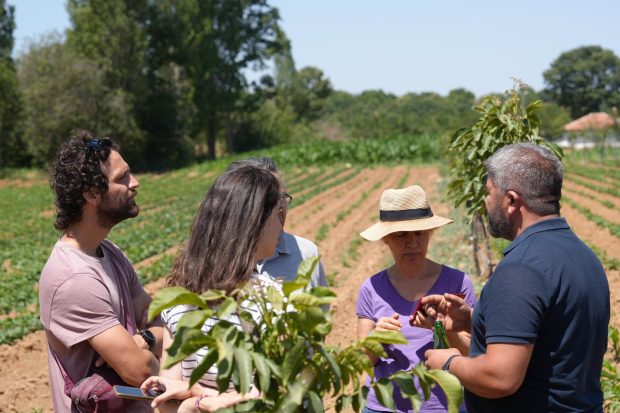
(94, 394)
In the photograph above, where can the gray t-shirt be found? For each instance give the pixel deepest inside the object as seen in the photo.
(79, 299)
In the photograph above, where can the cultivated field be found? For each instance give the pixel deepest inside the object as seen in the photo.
(331, 205)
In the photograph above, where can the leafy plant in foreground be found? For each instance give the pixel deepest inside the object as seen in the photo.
(284, 354)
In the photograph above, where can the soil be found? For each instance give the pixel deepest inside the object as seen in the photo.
(23, 365)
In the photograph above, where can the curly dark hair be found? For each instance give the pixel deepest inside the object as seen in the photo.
(77, 169)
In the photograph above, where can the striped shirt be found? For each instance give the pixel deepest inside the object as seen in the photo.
(171, 316)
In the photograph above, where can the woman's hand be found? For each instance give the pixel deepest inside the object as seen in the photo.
(389, 323)
(170, 389)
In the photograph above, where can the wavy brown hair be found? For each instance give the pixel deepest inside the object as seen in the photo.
(77, 169)
(220, 251)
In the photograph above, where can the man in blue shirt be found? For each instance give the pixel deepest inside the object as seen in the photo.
(539, 330)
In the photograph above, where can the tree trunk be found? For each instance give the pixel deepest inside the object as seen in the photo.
(211, 131)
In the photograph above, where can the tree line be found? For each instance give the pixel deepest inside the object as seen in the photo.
(168, 80)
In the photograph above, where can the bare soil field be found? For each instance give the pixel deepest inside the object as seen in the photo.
(345, 209)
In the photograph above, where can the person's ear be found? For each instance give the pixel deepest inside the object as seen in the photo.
(91, 196)
(514, 201)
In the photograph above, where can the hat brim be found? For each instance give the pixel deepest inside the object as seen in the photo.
(381, 229)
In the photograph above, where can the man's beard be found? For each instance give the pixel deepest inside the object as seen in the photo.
(111, 211)
(499, 225)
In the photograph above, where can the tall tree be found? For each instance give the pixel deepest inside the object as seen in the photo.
(12, 148)
(221, 38)
(586, 79)
(111, 34)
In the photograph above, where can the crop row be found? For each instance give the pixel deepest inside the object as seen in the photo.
(603, 202)
(161, 226)
(597, 188)
(607, 175)
(613, 228)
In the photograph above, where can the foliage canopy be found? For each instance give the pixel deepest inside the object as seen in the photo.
(284, 354)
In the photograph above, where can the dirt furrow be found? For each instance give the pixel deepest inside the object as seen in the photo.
(609, 214)
(590, 232)
(573, 186)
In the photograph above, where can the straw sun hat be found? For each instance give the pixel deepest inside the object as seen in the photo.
(404, 209)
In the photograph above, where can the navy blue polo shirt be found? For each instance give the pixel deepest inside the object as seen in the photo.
(550, 290)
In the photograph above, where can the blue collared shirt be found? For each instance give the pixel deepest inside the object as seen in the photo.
(290, 252)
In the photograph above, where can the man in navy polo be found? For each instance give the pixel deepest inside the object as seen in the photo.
(539, 330)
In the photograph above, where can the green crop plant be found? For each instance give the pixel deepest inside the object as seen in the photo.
(614, 229)
(284, 354)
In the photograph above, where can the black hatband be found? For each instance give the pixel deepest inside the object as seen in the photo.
(405, 215)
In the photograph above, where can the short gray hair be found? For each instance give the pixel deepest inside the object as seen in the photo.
(262, 162)
(530, 170)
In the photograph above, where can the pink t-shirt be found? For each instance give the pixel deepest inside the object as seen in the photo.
(79, 299)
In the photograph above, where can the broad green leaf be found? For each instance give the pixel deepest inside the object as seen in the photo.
(243, 363)
(292, 360)
(185, 343)
(224, 365)
(374, 346)
(169, 297)
(206, 363)
(194, 319)
(314, 319)
(288, 287)
(385, 393)
(296, 391)
(335, 369)
(315, 404)
(450, 386)
(226, 307)
(262, 371)
(388, 337)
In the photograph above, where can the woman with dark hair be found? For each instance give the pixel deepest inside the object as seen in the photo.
(236, 225)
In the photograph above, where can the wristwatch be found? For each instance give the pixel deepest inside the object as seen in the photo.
(149, 337)
(446, 366)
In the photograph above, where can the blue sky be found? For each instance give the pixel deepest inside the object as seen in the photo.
(417, 46)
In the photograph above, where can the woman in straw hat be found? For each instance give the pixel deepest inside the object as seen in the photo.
(405, 225)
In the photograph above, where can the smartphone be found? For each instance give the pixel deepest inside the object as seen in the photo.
(126, 392)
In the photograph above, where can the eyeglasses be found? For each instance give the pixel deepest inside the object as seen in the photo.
(285, 199)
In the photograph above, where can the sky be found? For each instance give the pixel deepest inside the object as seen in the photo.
(403, 46)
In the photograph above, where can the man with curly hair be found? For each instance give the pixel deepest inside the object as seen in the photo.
(92, 305)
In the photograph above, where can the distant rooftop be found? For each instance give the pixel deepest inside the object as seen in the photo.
(594, 120)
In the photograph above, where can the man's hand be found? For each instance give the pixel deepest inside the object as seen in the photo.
(451, 309)
(389, 323)
(435, 359)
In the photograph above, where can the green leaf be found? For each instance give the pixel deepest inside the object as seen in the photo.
(293, 359)
(227, 307)
(335, 369)
(243, 362)
(315, 404)
(224, 365)
(374, 347)
(387, 337)
(384, 391)
(185, 343)
(262, 370)
(314, 319)
(169, 297)
(450, 386)
(206, 363)
(194, 319)
(296, 391)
